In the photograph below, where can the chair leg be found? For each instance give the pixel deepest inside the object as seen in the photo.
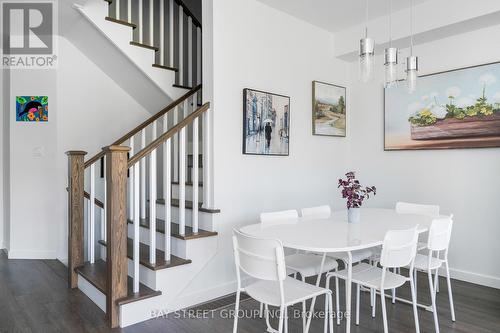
(303, 307)
(394, 289)
(414, 301)
(286, 320)
(337, 300)
(330, 316)
(236, 310)
(282, 317)
(261, 310)
(374, 307)
(266, 315)
(448, 282)
(357, 304)
(415, 277)
(436, 278)
(384, 313)
(433, 299)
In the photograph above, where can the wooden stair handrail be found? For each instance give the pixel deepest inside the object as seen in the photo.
(167, 135)
(86, 194)
(146, 123)
(189, 13)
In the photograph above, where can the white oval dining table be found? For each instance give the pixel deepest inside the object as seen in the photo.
(335, 234)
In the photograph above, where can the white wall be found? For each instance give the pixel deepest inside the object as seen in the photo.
(256, 46)
(465, 182)
(87, 110)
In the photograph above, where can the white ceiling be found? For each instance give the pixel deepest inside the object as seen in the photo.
(337, 15)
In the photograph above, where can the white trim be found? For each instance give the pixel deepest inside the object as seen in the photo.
(471, 277)
(92, 292)
(32, 254)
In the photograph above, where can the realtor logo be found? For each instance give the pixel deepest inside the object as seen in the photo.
(28, 34)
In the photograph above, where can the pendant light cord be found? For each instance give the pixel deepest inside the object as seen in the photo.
(411, 27)
(366, 19)
(390, 23)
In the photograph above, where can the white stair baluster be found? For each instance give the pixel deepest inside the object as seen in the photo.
(207, 182)
(176, 144)
(167, 190)
(162, 32)
(151, 22)
(198, 58)
(195, 177)
(190, 51)
(129, 11)
(141, 21)
(143, 176)
(137, 221)
(131, 182)
(152, 201)
(181, 45)
(117, 9)
(92, 215)
(182, 177)
(171, 32)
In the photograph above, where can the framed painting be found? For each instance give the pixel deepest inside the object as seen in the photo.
(266, 123)
(32, 108)
(453, 109)
(328, 109)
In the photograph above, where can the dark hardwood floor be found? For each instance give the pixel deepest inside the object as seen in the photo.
(34, 298)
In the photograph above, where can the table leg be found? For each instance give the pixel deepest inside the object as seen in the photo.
(318, 280)
(348, 288)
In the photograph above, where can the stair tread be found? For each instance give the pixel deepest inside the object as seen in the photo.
(96, 275)
(182, 86)
(174, 227)
(128, 24)
(161, 263)
(189, 205)
(146, 46)
(166, 67)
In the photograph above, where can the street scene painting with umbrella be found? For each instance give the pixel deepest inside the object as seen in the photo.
(266, 123)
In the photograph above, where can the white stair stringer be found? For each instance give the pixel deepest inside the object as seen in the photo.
(172, 282)
(95, 11)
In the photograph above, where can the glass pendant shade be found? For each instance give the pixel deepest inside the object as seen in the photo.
(366, 59)
(391, 67)
(411, 73)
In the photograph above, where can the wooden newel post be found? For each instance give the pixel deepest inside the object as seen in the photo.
(116, 224)
(75, 214)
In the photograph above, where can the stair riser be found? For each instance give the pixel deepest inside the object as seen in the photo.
(178, 247)
(205, 220)
(189, 192)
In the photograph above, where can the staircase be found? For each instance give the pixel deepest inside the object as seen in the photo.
(140, 211)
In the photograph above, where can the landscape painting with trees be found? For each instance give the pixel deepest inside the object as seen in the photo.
(454, 109)
(329, 109)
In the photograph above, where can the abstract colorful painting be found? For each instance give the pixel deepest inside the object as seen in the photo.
(266, 123)
(32, 108)
(329, 110)
(454, 109)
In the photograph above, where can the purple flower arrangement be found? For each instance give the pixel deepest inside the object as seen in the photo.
(353, 191)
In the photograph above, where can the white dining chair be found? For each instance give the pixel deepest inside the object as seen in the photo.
(398, 250)
(438, 241)
(324, 212)
(264, 261)
(418, 209)
(304, 264)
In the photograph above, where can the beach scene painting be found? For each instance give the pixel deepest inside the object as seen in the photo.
(329, 109)
(453, 109)
(266, 123)
(32, 108)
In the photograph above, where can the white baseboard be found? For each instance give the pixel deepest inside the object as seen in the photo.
(476, 278)
(31, 254)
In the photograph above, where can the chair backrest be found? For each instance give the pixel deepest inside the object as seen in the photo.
(281, 217)
(399, 248)
(262, 259)
(320, 212)
(440, 234)
(419, 209)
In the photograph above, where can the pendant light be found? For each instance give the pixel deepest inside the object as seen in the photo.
(411, 61)
(366, 54)
(391, 58)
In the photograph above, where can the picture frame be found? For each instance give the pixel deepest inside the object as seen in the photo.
(329, 109)
(453, 109)
(266, 123)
